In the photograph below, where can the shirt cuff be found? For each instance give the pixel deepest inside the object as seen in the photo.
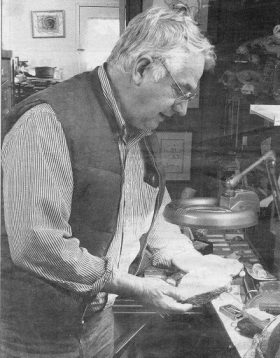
(106, 277)
(163, 257)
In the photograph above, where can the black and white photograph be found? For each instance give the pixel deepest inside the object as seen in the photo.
(140, 179)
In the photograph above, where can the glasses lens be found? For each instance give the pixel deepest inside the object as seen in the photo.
(187, 97)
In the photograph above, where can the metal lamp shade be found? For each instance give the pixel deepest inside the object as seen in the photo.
(204, 214)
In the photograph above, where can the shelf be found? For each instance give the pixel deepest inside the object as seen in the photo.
(268, 112)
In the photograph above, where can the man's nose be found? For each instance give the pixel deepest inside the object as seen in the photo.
(181, 108)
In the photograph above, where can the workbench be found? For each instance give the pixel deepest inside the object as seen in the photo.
(134, 317)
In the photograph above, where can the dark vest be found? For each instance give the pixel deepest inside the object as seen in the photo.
(92, 134)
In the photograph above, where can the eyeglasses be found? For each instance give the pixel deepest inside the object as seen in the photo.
(184, 96)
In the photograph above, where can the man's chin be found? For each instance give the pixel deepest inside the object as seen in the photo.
(153, 124)
(149, 123)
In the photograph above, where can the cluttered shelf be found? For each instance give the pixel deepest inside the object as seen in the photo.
(28, 80)
(31, 85)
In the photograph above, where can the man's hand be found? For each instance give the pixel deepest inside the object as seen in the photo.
(153, 292)
(164, 297)
(213, 263)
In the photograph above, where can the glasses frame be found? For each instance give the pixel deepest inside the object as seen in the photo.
(185, 96)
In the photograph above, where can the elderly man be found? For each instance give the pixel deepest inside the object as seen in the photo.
(84, 193)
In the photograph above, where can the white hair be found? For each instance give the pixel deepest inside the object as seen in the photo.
(161, 33)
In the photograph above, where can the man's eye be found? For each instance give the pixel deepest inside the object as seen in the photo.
(176, 91)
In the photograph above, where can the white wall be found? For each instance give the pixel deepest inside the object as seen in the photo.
(17, 35)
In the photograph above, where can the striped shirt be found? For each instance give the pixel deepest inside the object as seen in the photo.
(38, 187)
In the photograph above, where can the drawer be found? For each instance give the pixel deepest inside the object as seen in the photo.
(6, 98)
(6, 104)
(6, 70)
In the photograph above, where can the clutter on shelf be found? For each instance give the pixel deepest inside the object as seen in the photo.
(255, 69)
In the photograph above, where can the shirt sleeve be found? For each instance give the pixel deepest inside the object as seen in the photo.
(166, 239)
(37, 189)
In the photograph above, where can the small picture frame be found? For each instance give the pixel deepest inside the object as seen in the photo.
(175, 152)
(49, 23)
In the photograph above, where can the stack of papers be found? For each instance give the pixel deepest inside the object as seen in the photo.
(267, 111)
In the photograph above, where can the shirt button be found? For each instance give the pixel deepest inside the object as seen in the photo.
(83, 322)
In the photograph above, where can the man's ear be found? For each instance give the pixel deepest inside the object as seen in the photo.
(140, 68)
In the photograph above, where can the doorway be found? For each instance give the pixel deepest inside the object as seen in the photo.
(99, 26)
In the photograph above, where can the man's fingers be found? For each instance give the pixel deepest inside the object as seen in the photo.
(177, 307)
(178, 294)
(183, 307)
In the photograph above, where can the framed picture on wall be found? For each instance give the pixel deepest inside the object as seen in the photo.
(175, 151)
(49, 23)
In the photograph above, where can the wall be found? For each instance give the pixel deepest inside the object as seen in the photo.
(17, 35)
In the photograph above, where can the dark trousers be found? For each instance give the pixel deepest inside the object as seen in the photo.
(95, 339)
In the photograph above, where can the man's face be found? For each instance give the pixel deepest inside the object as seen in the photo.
(155, 101)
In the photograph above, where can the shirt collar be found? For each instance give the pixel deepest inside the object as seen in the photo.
(112, 103)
